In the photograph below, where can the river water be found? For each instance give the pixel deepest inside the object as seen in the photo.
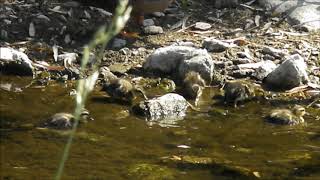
(117, 143)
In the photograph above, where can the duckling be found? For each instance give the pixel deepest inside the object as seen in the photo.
(66, 120)
(193, 85)
(236, 91)
(121, 89)
(286, 116)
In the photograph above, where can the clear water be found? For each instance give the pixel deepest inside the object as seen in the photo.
(107, 147)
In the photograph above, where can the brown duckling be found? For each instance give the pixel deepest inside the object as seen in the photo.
(193, 85)
(66, 120)
(236, 91)
(286, 116)
(121, 89)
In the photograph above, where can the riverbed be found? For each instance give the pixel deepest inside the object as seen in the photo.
(117, 142)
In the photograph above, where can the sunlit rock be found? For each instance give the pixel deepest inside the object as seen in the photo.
(291, 73)
(165, 110)
(15, 62)
(169, 59)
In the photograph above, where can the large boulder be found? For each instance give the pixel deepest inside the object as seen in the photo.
(291, 73)
(181, 59)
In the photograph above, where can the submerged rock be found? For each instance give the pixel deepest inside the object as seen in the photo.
(291, 73)
(15, 62)
(150, 172)
(165, 109)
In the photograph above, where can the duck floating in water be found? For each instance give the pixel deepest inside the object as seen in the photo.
(286, 116)
(66, 120)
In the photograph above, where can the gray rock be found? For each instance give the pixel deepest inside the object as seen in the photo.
(15, 62)
(168, 59)
(165, 110)
(153, 30)
(118, 43)
(265, 67)
(148, 22)
(291, 73)
(202, 64)
(304, 13)
(215, 45)
(278, 53)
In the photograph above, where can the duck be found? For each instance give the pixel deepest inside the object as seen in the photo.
(193, 85)
(236, 91)
(65, 120)
(287, 116)
(121, 89)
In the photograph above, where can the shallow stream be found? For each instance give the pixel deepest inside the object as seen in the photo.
(119, 145)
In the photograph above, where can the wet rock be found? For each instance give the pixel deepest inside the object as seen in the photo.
(168, 59)
(150, 172)
(15, 62)
(202, 26)
(171, 107)
(153, 30)
(291, 73)
(303, 13)
(215, 45)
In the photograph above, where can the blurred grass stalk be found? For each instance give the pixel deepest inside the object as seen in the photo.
(85, 86)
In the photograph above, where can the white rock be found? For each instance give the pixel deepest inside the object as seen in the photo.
(202, 26)
(15, 62)
(165, 110)
(291, 73)
(32, 30)
(153, 30)
(158, 14)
